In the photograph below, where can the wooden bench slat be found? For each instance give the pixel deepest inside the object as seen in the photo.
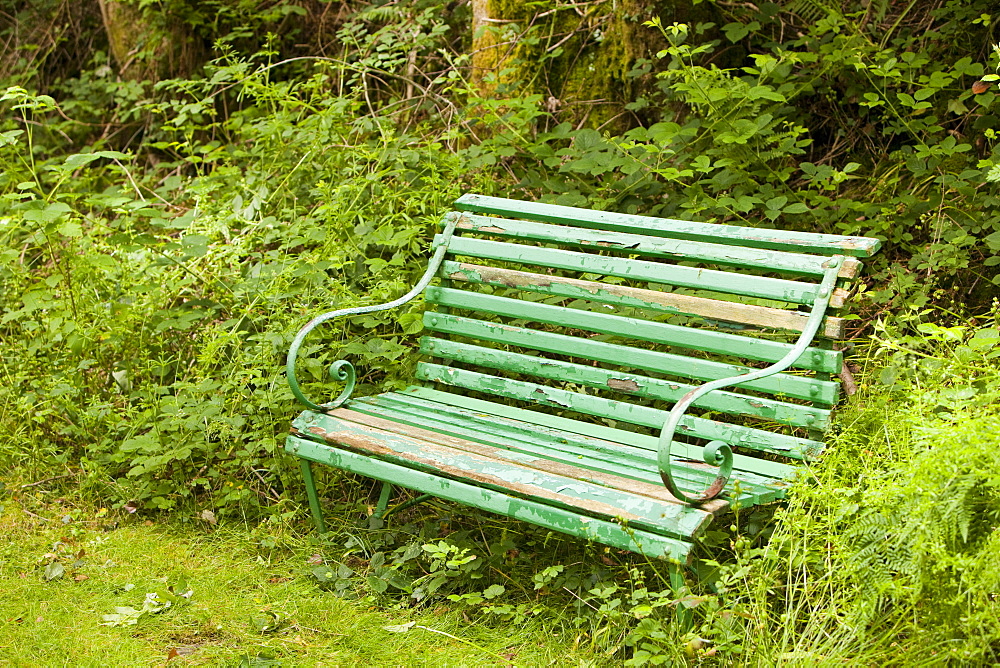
(570, 448)
(767, 468)
(790, 385)
(627, 383)
(735, 435)
(652, 300)
(808, 242)
(702, 340)
(764, 287)
(645, 245)
(569, 521)
(543, 453)
(604, 496)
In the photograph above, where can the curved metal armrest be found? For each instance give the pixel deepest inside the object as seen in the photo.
(342, 369)
(719, 453)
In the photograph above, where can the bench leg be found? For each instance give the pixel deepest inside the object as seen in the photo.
(383, 500)
(317, 512)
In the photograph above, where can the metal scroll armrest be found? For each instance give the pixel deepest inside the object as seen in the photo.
(343, 370)
(719, 453)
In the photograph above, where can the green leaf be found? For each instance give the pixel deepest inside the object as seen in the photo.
(122, 616)
(78, 160)
(53, 571)
(493, 591)
(267, 622)
(50, 212)
(399, 628)
(797, 207)
(775, 203)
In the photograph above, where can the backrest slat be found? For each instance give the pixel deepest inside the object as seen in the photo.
(645, 416)
(653, 300)
(630, 383)
(681, 366)
(816, 359)
(645, 245)
(803, 242)
(763, 287)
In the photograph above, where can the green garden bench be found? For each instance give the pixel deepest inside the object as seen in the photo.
(563, 374)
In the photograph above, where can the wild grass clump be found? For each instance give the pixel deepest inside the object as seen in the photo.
(885, 554)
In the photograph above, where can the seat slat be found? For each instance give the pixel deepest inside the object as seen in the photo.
(523, 475)
(576, 449)
(570, 521)
(628, 383)
(794, 292)
(653, 300)
(806, 242)
(735, 435)
(702, 340)
(799, 387)
(768, 468)
(642, 244)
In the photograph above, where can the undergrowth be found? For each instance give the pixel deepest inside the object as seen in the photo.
(161, 242)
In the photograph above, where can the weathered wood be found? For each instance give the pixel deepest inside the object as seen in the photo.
(651, 300)
(501, 449)
(620, 457)
(764, 287)
(825, 244)
(643, 244)
(521, 475)
(627, 383)
(571, 522)
(710, 430)
(779, 472)
(704, 340)
(790, 385)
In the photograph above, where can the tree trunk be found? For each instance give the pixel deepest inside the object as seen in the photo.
(148, 46)
(488, 56)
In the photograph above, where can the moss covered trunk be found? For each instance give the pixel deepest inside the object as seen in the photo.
(585, 60)
(147, 45)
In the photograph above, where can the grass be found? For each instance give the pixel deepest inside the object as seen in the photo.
(250, 604)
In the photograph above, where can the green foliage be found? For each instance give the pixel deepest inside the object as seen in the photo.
(152, 312)
(157, 253)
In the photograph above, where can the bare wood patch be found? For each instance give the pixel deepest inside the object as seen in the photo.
(715, 309)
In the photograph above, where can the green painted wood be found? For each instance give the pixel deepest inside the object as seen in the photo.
(735, 435)
(559, 446)
(782, 384)
(648, 300)
(775, 470)
(627, 383)
(599, 468)
(644, 245)
(703, 340)
(558, 519)
(722, 282)
(806, 242)
(517, 474)
(794, 292)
